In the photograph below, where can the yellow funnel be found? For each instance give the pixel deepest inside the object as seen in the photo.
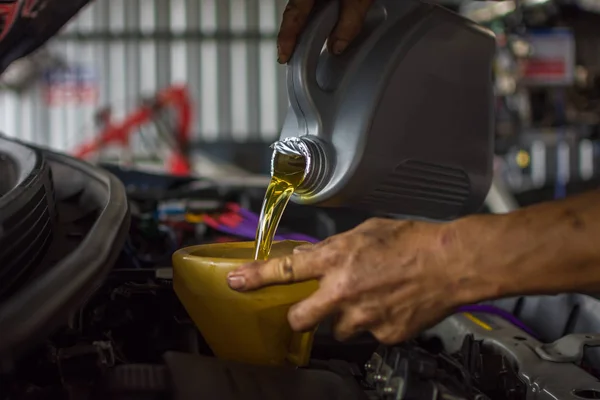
(248, 327)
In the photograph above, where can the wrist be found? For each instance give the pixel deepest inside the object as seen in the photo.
(484, 257)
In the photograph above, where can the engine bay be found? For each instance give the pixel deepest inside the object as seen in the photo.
(131, 338)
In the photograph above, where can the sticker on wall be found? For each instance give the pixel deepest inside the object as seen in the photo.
(552, 62)
(70, 86)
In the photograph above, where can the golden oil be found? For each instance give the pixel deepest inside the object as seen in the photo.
(286, 176)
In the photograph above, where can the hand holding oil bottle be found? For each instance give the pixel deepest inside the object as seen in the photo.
(288, 170)
(368, 277)
(394, 278)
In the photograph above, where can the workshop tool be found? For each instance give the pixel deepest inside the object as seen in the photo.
(173, 138)
(402, 121)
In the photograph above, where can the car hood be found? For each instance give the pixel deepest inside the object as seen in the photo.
(25, 25)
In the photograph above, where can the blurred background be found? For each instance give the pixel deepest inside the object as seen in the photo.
(118, 52)
(211, 66)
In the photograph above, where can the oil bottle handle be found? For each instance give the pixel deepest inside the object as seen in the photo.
(311, 104)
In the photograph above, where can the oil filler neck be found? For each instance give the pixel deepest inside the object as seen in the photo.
(318, 163)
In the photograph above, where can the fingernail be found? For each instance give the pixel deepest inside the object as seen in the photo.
(339, 46)
(236, 282)
(280, 55)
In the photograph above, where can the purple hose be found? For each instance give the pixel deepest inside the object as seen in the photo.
(489, 309)
(251, 222)
(234, 232)
(249, 215)
(247, 229)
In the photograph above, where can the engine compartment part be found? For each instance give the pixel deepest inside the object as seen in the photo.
(561, 315)
(134, 340)
(74, 218)
(406, 372)
(125, 335)
(228, 380)
(491, 345)
(27, 213)
(27, 25)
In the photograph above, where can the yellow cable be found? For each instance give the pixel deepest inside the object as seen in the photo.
(477, 321)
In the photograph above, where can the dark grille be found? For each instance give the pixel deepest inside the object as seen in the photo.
(21, 267)
(26, 230)
(434, 189)
(18, 239)
(25, 214)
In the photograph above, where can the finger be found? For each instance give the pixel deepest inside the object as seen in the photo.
(307, 314)
(352, 322)
(294, 19)
(294, 268)
(351, 20)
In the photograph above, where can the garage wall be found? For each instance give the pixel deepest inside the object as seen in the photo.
(223, 49)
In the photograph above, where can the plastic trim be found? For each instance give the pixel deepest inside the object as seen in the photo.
(45, 303)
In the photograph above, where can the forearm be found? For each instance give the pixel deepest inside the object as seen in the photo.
(548, 248)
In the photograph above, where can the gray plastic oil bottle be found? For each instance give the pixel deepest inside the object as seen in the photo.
(402, 122)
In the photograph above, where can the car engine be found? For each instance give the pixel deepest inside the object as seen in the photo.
(104, 322)
(134, 341)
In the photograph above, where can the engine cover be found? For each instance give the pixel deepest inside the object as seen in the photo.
(494, 351)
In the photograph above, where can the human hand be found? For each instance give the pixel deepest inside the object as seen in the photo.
(392, 278)
(296, 14)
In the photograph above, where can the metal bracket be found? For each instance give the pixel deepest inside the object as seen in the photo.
(568, 349)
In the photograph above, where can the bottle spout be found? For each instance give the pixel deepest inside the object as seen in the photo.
(318, 164)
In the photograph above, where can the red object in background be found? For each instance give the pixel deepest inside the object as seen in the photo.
(534, 68)
(8, 14)
(9, 11)
(32, 7)
(552, 58)
(119, 133)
